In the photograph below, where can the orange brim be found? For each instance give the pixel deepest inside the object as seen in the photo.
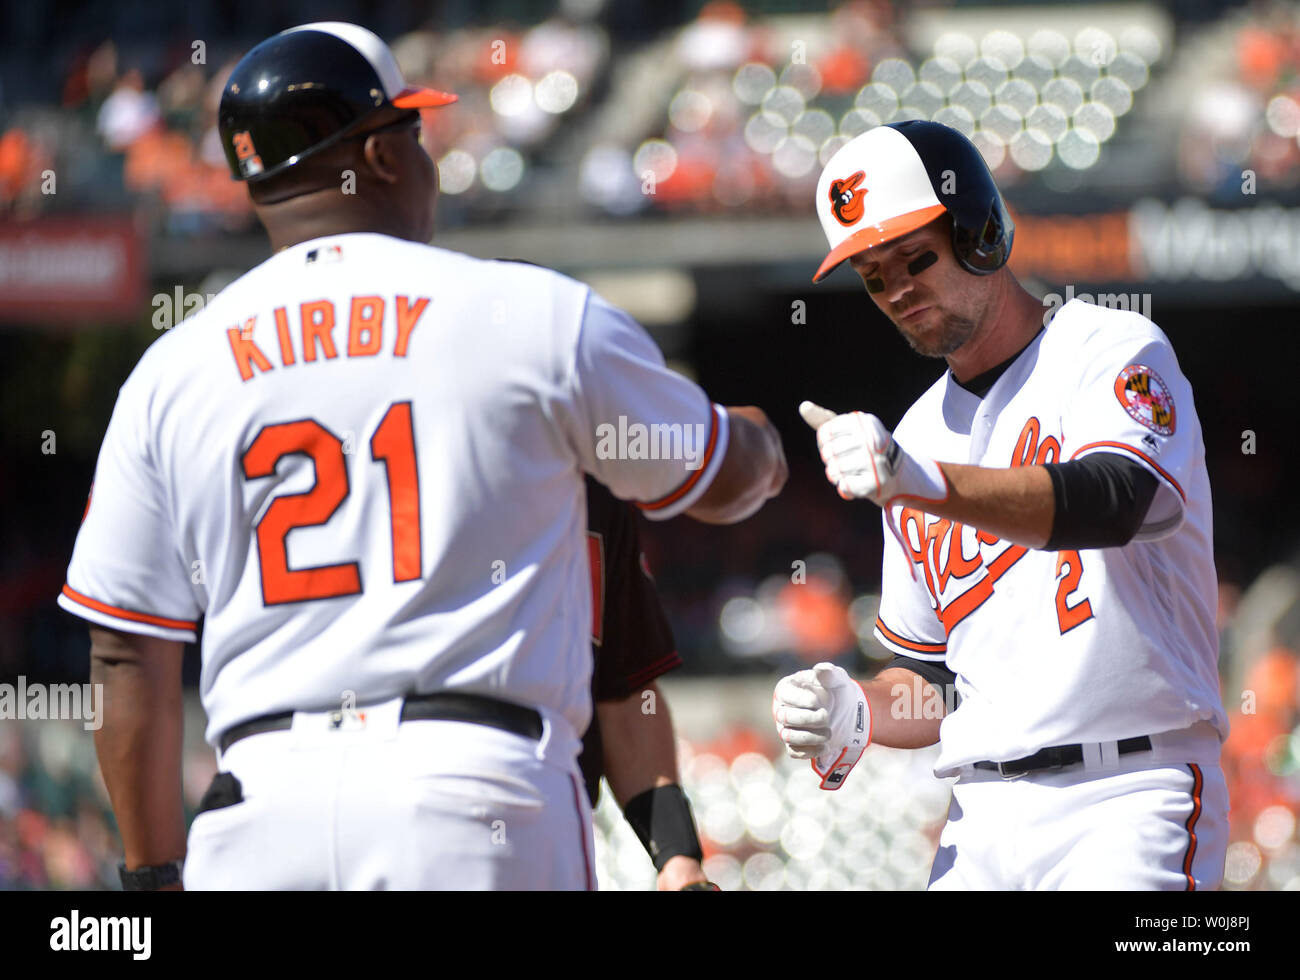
(873, 235)
(422, 98)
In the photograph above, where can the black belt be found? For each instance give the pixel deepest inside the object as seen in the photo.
(444, 706)
(1058, 757)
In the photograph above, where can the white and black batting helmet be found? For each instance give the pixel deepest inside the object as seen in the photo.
(893, 179)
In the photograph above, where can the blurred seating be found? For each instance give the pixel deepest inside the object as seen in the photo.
(730, 110)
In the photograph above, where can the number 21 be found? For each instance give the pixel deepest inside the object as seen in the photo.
(393, 444)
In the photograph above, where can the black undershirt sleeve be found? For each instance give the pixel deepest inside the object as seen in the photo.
(937, 673)
(1101, 501)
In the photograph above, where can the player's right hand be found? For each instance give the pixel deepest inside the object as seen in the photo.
(823, 715)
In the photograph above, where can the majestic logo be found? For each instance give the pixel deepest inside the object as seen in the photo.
(1146, 398)
(250, 164)
(846, 199)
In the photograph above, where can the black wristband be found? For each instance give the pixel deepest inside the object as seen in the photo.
(150, 879)
(662, 819)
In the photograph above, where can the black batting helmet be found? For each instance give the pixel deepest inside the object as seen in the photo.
(893, 179)
(305, 89)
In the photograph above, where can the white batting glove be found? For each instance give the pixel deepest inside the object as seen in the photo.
(822, 715)
(863, 460)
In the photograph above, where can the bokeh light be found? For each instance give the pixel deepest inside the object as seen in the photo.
(657, 158)
(456, 172)
(1242, 864)
(1078, 148)
(556, 92)
(764, 131)
(752, 81)
(795, 156)
(961, 48)
(511, 96)
(1031, 149)
(877, 98)
(958, 118)
(502, 169)
(1004, 46)
(894, 72)
(690, 110)
(942, 72)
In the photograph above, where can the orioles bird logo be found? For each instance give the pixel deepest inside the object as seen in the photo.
(846, 199)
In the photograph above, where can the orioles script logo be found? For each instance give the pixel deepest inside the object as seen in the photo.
(948, 551)
(846, 199)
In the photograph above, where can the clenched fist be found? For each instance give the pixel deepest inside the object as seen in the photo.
(822, 714)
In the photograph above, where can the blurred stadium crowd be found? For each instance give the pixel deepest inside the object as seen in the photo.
(729, 110)
(598, 112)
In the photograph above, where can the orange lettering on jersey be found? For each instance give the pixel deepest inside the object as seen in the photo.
(282, 331)
(1069, 569)
(317, 322)
(916, 518)
(1026, 445)
(407, 317)
(942, 558)
(945, 555)
(366, 320)
(955, 563)
(934, 536)
(1049, 451)
(974, 597)
(393, 444)
(246, 351)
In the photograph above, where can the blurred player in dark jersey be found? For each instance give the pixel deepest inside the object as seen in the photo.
(631, 740)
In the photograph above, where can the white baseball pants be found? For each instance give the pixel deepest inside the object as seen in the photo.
(1131, 823)
(410, 806)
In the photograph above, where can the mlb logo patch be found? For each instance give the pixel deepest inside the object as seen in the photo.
(323, 256)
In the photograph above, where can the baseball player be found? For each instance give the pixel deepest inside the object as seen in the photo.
(631, 740)
(1048, 565)
(362, 463)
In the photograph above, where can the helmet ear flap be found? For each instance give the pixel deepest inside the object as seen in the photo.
(984, 253)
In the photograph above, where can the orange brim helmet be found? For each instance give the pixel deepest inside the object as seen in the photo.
(893, 179)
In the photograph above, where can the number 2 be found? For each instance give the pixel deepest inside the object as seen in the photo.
(393, 444)
(1067, 616)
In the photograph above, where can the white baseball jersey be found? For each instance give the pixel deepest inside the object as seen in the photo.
(1053, 648)
(362, 463)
